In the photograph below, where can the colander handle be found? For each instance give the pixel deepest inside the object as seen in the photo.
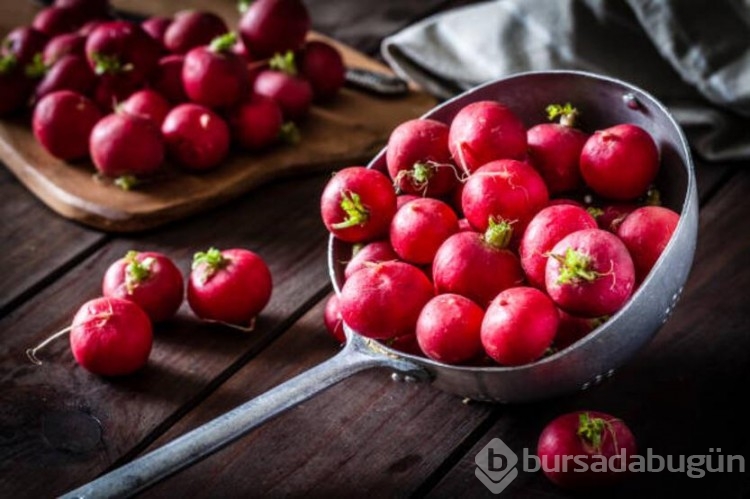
(358, 354)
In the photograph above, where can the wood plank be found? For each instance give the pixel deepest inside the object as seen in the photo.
(680, 394)
(67, 425)
(367, 435)
(37, 245)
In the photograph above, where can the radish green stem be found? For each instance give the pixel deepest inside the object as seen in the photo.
(36, 68)
(136, 271)
(284, 63)
(31, 352)
(356, 213)
(595, 212)
(7, 63)
(212, 259)
(498, 233)
(223, 43)
(567, 114)
(575, 266)
(126, 182)
(109, 64)
(591, 430)
(243, 5)
(290, 133)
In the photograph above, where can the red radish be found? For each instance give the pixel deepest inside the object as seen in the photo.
(332, 319)
(269, 27)
(62, 45)
(505, 189)
(54, 21)
(321, 64)
(519, 326)
(90, 26)
(554, 149)
(256, 123)
(191, 29)
(477, 266)
(486, 131)
(24, 43)
(196, 137)
(646, 232)
(573, 328)
(15, 87)
(464, 225)
(544, 231)
(568, 201)
(231, 286)
(591, 438)
(124, 145)
(213, 76)
(611, 216)
(374, 252)
(148, 104)
(403, 199)
(90, 9)
(292, 93)
(620, 162)
(71, 72)
(448, 329)
(167, 79)
(124, 49)
(149, 279)
(590, 273)
(419, 160)
(156, 27)
(109, 337)
(420, 227)
(111, 89)
(383, 301)
(406, 343)
(62, 123)
(358, 204)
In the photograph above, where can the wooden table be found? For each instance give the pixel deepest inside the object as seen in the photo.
(61, 426)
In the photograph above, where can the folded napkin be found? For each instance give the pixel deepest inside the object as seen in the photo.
(692, 55)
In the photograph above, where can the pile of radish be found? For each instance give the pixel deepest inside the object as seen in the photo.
(487, 243)
(112, 335)
(180, 90)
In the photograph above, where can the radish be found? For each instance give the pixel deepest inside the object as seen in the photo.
(383, 301)
(646, 232)
(124, 49)
(281, 83)
(589, 437)
(54, 21)
(231, 286)
(156, 27)
(420, 227)
(358, 204)
(573, 328)
(464, 225)
(190, 29)
(485, 131)
(71, 72)
(15, 87)
(505, 189)
(322, 65)
(111, 89)
(555, 149)
(477, 266)
(268, 27)
(544, 231)
(197, 138)
(256, 123)
(24, 43)
(149, 279)
(147, 104)
(62, 45)
(332, 319)
(214, 76)
(418, 158)
(620, 162)
(108, 337)
(90, 26)
(167, 79)
(62, 123)
(125, 145)
(519, 326)
(590, 273)
(403, 199)
(448, 329)
(374, 252)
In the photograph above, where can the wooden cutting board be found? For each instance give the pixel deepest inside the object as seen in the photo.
(348, 131)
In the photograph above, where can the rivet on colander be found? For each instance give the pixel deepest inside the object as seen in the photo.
(630, 100)
(586, 385)
(397, 377)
